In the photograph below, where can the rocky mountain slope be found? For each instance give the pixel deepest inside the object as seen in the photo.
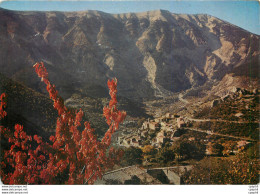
(152, 54)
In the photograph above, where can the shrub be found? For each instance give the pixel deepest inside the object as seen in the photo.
(71, 156)
(132, 156)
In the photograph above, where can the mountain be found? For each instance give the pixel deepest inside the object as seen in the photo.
(152, 54)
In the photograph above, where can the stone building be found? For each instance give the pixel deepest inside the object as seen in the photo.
(180, 122)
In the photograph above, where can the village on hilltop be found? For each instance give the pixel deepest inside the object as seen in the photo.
(169, 128)
(166, 128)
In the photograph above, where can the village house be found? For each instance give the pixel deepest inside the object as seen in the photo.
(160, 138)
(158, 120)
(136, 175)
(132, 140)
(145, 125)
(161, 119)
(163, 124)
(168, 128)
(125, 143)
(153, 125)
(180, 122)
(136, 142)
(168, 115)
(144, 133)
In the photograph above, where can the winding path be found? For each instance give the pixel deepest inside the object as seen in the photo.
(219, 134)
(220, 120)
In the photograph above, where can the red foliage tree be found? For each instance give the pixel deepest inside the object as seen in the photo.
(71, 156)
(2, 106)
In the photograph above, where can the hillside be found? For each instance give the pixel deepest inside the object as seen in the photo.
(29, 108)
(35, 111)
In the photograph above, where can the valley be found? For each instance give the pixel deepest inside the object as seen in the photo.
(188, 83)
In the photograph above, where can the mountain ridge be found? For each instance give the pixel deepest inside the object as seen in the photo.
(152, 54)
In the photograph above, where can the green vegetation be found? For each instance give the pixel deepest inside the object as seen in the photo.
(132, 156)
(165, 154)
(185, 149)
(240, 169)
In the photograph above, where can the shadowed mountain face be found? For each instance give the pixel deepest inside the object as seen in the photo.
(152, 54)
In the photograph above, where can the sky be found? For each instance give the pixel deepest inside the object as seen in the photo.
(244, 14)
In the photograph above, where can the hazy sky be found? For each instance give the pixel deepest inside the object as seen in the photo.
(241, 13)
